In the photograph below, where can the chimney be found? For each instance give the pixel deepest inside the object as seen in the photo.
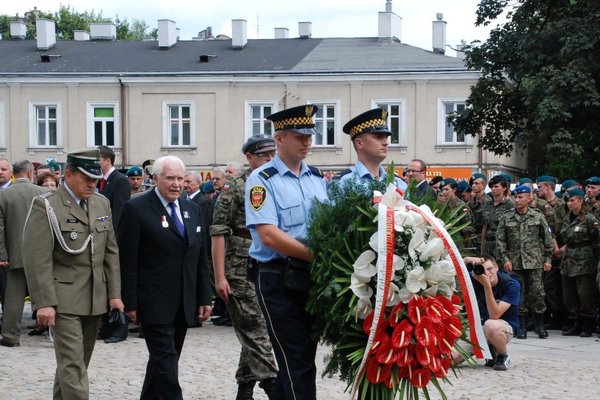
(304, 30)
(18, 29)
(239, 33)
(389, 24)
(461, 49)
(81, 36)
(46, 33)
(282, 33)
(167, 33)
(439, 34)
(103, 31)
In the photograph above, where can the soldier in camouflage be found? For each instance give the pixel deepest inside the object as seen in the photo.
(580, 233)
(230, 244)
(592, 190)
(448, 189)
(479, 198)
(492, 211)
(524, 246)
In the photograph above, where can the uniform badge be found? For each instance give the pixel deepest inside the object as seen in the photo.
(186, 215)
(258, 195)
(73, 235)
(163, 221)
(577, 229)
(226, 186)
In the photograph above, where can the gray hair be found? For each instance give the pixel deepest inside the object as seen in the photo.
(237, 168)
(195, 176)
(22, 166)
(158, 166)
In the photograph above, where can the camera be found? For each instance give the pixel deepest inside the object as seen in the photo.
(476, 269)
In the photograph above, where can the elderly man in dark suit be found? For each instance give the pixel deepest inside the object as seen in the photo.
(14, 206)
(164, 269)
(113, 185)
(72, 269)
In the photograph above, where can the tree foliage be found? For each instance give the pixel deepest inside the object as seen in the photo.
(68, 20)
(540, 83)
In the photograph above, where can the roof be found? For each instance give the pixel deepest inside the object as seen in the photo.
(312, 55)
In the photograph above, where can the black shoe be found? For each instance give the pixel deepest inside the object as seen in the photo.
(588, 327)
(502, 362)
(270, 387)
(492, 361)
(225, 320)
(573, 330)
(7, 343)
(245, 391)
(522, 333)
(538, 320)
(37, 331)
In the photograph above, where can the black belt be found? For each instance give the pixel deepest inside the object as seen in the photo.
(273, 267)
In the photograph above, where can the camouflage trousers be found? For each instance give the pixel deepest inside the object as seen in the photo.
(580, 295)
(256, 357)
(532, 291)
(553, 290)
(489, 248)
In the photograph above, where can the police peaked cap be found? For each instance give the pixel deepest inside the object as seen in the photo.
(373, 121)
(259, 144)
(296, 119)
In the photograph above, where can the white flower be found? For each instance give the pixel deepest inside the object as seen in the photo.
(402, 219)
(416, 243)
(398, 263)
(373, 242)
(440, 272)
(360, 286)
(417, 219)
(363, 308)
(405, 295)
(415, 280)
(433, 250)
(393, 295)
(363, 265)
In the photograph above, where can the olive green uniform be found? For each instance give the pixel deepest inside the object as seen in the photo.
(476, 205)
(491, 217)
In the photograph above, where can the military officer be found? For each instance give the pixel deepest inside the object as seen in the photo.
(580, 233)
(279, 196)
(135, 176)
(369, 134)
(592, 189)
(524, 246)
(492, 211)
(73, 268)
(230, 244)
(478, 183)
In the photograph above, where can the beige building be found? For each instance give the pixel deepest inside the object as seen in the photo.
(201, 99)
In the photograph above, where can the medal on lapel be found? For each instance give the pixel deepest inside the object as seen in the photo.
(186, 215)
(163, 221)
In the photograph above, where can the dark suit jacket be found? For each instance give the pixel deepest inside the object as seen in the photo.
(160, 270)
(117, 190)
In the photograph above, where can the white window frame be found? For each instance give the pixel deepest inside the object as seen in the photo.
(248, 119)
(2, 125)
(402, 116)
(90, 106)
(166, 116)
(336, 103)
(441, 123)
(33, 105)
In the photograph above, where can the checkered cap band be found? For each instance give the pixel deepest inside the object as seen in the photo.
(294, 123)
(360, 128)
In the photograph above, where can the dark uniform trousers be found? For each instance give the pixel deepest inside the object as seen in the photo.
(289, 326)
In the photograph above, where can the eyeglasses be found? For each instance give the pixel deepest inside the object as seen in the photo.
(269, 154)
(413, 171)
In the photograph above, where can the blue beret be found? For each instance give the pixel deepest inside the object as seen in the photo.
(569, 183)
(462, 187)
(594, 180)
(546, 178)
(478, 176)
(576, 192)
(524, 180)
(134, 171)
(207, 187)
(521, 189)
(448, 181)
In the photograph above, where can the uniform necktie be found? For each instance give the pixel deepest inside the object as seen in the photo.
(176, 220)
(83, 205)
(102, 183)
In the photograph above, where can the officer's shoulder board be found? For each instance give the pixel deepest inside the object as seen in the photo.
(268, 172)
(339, 175)
(315, 171)
(46, 195)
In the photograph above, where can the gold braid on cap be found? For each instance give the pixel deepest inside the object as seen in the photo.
(294, 122)
(360, 128)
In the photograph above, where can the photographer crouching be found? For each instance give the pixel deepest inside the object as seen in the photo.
(498, 296)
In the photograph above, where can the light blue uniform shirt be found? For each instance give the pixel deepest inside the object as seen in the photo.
(359, 171)
(283, 200)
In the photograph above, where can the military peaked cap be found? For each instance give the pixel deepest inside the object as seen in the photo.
(86, 161)
(259, 144)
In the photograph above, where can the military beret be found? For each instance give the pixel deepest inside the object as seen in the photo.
(594, 180)
(507, 178)
(86, 161)
(524, 180)
(448, 181)
(296, 119)
(521, 189)
(497, 179)
(257, 144)
(463, 186)
(54, 166)
(569, 183)
(576, 192)
(134, 171)
(373, 121)
(477, 176)
(436, 179)
(207, 187)
(546, 178)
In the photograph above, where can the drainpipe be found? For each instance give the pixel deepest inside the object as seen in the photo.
(123, 109)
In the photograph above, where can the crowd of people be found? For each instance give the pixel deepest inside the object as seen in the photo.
(162, 247)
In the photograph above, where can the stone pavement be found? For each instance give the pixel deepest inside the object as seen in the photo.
(554, 368)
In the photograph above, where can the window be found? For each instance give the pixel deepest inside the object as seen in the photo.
(326, 123)
(44, 124)
(103, 124)
(256, 114)
(178, 124)
(2, 122)
(395, 121)
(446, 133)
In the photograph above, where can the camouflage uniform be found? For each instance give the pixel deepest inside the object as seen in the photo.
(525, 240)
(467, 232)
(476, 205)
(491, 217)
(552, 279)
(229, 219)
(545, 208)
(581, 235)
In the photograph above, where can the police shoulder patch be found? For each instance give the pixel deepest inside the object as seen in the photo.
(268, 172)
(339, 175)
(315, 171)
(258, 196)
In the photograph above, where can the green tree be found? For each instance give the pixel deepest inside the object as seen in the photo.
(539, 85)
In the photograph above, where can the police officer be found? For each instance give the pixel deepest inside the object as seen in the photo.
(73, 268)
(230, 244)
(524, 245)
(279, 196)
(492, 211)
(369, 134)
(478, 182)
(580, 232)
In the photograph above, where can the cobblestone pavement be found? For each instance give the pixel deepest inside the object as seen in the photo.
(555, 368)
